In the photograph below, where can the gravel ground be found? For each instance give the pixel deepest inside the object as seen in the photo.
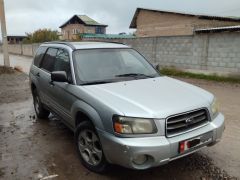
(36, 149)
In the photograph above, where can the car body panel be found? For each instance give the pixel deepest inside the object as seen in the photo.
(161, 149)
(154, 98)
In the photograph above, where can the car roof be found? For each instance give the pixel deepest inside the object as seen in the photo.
(88, 45)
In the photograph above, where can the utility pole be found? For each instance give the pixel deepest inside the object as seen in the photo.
(4, 34)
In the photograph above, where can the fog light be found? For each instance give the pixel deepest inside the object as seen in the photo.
(139, 159)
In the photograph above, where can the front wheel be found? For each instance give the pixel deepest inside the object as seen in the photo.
(89, 148)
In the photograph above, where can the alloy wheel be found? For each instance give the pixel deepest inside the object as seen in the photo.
(90, 147)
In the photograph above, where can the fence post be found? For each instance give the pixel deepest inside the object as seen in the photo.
(21, 47)
(205, 52)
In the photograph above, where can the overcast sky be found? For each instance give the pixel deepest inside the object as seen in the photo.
(28, 15)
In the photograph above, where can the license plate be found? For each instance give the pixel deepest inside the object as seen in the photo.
(190, 144)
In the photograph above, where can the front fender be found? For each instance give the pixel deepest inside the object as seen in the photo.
(81, 106)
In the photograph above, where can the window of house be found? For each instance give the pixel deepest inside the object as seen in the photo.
(99, 30)
(76, 31)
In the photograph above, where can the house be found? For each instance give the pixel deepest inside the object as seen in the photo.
(81, 24)
(15, 39)
(150, 23)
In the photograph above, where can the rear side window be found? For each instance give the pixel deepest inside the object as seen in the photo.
(39, 55)
(49, 59)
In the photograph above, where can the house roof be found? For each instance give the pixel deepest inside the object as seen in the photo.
(200, 16)
(218, 29)
(85, 20)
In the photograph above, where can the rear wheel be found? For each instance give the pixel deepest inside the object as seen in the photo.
(41, 112)
(89, 148)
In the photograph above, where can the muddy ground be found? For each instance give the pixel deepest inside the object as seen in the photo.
(31, 148)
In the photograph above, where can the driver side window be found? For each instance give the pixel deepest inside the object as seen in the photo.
(62, 63)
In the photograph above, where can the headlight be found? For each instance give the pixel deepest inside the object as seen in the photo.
(128, 125)
(214, 108)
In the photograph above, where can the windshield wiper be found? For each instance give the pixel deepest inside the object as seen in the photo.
(134, 75)
(96, 82)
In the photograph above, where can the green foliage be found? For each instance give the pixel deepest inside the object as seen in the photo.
(40, 36)
(211, 77)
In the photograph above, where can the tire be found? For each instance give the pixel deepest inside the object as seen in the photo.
(41, 112)
(89, 148)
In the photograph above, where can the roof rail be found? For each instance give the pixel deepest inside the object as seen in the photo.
(61, 42)
(114, 42)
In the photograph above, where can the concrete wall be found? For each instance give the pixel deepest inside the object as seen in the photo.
(219, 52)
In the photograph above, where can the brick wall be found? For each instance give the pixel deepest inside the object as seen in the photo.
(151, 24)
(67, 31)
(218, 52)
(68, 34)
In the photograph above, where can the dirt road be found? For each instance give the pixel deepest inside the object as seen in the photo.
(35, 149)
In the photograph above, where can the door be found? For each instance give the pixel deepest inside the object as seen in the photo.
(59, 91)
(44, 76)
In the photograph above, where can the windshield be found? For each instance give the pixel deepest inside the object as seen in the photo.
(111, 65)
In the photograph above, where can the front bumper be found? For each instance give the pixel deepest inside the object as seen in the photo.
(160, 150)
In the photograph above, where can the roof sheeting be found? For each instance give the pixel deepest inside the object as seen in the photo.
(85, 20)
(200, 16)
(89, 21)
(218, 29)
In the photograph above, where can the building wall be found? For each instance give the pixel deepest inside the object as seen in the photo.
(150, 24)
(68, 34)
(67, 31)
(218, 53)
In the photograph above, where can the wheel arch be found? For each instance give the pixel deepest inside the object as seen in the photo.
(81, 111)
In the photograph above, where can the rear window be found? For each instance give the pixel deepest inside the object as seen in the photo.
(39, 55)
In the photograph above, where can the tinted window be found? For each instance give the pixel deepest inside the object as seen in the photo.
(49, 59)
(39, 55)
(62, 62)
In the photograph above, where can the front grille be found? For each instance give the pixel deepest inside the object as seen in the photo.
(187, 121)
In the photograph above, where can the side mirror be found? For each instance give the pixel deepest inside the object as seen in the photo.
(59, 76)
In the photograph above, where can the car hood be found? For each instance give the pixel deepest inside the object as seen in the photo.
(151, 98)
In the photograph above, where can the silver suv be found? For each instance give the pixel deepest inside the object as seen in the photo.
(120, 108)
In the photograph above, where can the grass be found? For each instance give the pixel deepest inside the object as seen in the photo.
(211, 77)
